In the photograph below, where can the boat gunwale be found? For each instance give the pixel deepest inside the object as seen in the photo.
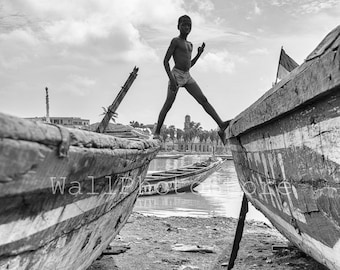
(290, 88)
(53, 135)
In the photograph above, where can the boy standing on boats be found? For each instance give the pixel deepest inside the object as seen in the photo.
(180, 49)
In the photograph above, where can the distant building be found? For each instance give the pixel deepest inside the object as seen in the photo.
(187, 121)
(65, 121)
(203, 147)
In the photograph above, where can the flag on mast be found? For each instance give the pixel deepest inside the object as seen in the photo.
(286, 65)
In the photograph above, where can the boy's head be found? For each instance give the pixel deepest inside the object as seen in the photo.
(184, 24)
(183, 18)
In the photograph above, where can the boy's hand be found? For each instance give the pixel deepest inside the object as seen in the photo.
(201, 48)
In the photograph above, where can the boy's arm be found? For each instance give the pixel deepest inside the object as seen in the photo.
(199, 52)
(166, 60)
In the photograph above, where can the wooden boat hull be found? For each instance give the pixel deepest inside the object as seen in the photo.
(178, 180)
(287, 157)
(64, 193)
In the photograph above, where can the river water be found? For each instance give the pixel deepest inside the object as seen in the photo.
(219, 195)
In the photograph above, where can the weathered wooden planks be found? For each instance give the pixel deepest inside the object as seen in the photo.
(29, 155)
(287, 156)
(77, 248)
(21, 129)
(64, 193)
(27, 166)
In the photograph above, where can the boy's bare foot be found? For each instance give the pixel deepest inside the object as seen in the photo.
(221, 132)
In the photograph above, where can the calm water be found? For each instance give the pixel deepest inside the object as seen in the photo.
(219, 195)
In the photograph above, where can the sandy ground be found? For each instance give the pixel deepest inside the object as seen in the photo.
(184, 243)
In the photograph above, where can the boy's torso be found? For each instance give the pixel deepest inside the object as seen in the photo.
(182, 54)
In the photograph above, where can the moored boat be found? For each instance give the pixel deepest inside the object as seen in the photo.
(225, 156)
(286, 150)
(179, 180)
(169, 156)
(64, 193)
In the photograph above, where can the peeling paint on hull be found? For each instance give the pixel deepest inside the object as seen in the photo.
(60, 212)
(287, 154)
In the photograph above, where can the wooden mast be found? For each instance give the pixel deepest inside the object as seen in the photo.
(113, 107)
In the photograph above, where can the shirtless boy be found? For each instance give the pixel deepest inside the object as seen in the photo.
(180, 49)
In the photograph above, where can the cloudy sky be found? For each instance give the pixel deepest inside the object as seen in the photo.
(83, 51)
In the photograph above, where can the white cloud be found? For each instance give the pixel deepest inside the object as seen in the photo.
(221, 62)
(316, 6)
(254, 11)
(299, 7)
(82, 81)
(112, 30)
(203, 5)
(257, 10)
(14, 62)
(77, 25)
(76, 32)
(17, 47)
(260, 51)
(77, 85)
(20, 36)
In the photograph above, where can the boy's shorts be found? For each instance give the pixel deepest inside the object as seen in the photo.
(182, 77)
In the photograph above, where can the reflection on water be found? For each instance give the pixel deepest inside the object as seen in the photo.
(219, 195)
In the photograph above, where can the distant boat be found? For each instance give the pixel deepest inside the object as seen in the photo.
(64, 193)
(169, 156)
(224, 156)
(179, 180)
(286, 150)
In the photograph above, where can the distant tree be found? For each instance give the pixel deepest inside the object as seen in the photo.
(197, 129)
(192, 131)
(203, 135)
(164, 133)
(179, 134)
(213, 135)
(136, 124)
(172, 130)
(206, 135)
(113, 117)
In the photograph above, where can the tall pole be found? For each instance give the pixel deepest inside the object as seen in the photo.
(113, 107)
(47, 107)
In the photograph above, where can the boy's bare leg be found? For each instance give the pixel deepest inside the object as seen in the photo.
(197, 93)
(166, 107)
